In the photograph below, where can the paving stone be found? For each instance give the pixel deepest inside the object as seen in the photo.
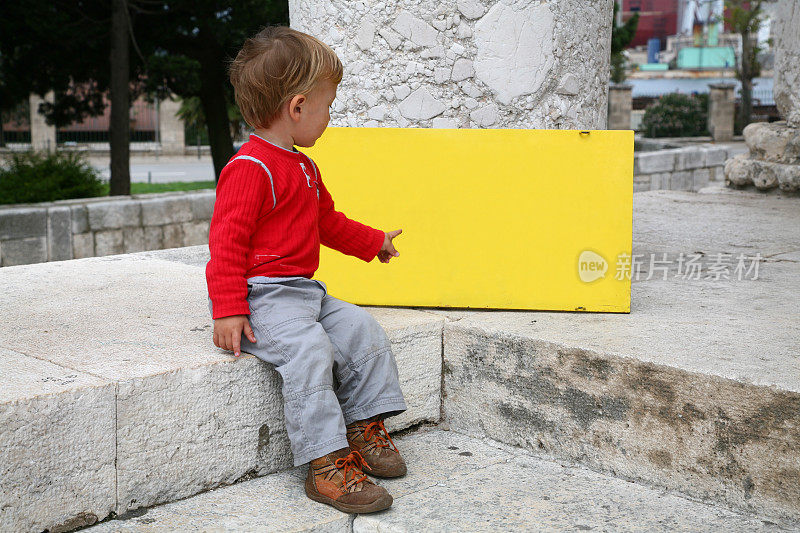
(528, 493)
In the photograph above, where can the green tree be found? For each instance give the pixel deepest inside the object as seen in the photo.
(621, 36)
(746, 21)
(66, 46)
(190, 43)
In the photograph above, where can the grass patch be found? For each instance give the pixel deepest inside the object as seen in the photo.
(146, 188)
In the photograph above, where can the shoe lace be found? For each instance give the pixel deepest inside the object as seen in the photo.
(353, 462)
(376, 429)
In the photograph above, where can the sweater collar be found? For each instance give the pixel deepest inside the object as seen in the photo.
(275, 148)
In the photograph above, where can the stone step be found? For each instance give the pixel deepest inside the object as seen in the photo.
(697, 389)
(113, 395)
(454, 483)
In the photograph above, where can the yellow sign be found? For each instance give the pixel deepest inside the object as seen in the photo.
(491, 218)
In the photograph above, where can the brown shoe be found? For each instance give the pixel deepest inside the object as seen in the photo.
(337, 479)
(380, 454)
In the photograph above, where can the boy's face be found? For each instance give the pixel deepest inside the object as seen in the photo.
(314, 114)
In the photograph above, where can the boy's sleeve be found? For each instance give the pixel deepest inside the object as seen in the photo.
(343, 234)
(241, 191)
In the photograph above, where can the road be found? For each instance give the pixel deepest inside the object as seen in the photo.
(162, 169)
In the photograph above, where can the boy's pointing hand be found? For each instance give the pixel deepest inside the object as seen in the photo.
(388, 250)
(228, 332)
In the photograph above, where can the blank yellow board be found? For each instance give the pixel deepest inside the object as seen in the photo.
(491, 218)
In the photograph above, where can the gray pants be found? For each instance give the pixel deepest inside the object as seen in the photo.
(336, 361)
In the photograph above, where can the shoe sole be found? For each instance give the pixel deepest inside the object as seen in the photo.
(382, 503)
(367, 470)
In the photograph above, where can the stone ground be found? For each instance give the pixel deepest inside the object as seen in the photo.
(455, 483)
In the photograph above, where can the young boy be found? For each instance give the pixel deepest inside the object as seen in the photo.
(271, 214)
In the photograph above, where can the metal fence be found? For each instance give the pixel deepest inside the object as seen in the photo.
(91, 131)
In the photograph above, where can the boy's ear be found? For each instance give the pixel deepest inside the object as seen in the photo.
(295, 106)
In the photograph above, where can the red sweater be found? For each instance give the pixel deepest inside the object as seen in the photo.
(271, 214)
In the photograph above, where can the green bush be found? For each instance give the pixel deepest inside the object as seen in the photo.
(31, 177)
(677, 115)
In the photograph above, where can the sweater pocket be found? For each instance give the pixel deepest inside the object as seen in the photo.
(259, 258)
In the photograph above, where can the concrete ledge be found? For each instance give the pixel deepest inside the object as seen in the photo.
(181, 415)
(89, 227)
(697, 389)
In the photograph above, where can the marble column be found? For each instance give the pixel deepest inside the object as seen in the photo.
(466, 63)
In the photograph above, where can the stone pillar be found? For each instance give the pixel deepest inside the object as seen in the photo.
(787, 61)
(466, 63)
(171, 133)
(43, 136)
(620, 105)
(773, 161)
(721, 111)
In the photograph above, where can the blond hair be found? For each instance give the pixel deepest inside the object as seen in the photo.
(276, 64)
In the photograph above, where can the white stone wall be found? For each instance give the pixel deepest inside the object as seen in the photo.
(466, 63)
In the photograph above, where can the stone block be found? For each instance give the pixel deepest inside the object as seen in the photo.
(421, 105)
(83, 245)
(80, 219)
(173, 236)
(415, 29)
(24, 251)
(108, 242)
(22, 223)
(202, 205)
(189, 416)
(689, 158)
(773, 141)
(133, 239)
(414, 337)
(444, 123)
(59, 233)
(659, 180)
(700, 178)
(462, 69)
(57, 445)
(660, 161)
(670, 424)
(515, 59)
(153, 238)
(195, 428)
(681, 180)
(642, 182)
(114, 215)
(170, 210)
(471, 9)
(195, 233)
(716, 156)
